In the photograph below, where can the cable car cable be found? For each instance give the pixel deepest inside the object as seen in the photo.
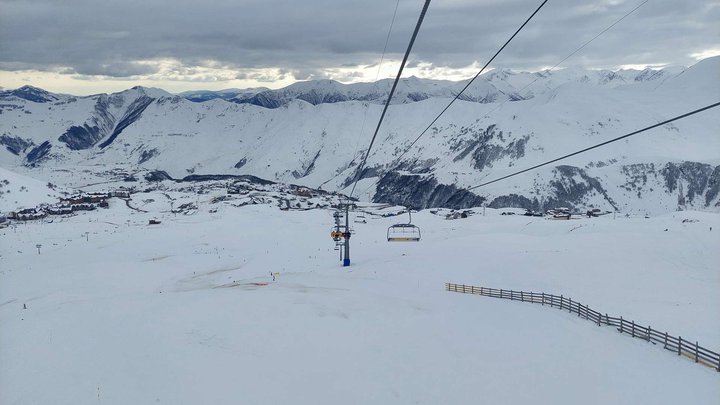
(467, 85)
(571, 54)
(377, 74)
(392, 90)
(476, 76)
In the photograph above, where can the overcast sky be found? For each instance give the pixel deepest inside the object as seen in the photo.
(91, 46)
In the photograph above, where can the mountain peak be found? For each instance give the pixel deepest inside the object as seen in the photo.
(30, 93)
(153, 92)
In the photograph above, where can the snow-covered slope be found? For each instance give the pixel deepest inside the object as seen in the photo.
(18, 191)
(313, 133)
(116, 311)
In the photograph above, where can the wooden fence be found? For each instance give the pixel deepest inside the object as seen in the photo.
(683, 347)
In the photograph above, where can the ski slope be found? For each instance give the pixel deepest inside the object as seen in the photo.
(19, 191)
(186, 312)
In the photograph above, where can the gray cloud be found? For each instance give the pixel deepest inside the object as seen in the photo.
(113, 69)
(302, 38)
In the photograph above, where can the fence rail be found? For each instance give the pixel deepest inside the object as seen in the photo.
(683, 347)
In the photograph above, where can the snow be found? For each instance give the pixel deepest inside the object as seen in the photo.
(186, 312)
(23, 192)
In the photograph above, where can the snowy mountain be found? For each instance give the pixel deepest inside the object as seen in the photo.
(314, 134)
(199, 96)
(408, 91)
(30, 93)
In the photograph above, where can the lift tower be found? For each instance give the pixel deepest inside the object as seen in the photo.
(346, 233)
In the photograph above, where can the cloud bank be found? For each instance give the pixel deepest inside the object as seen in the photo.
(266, 42)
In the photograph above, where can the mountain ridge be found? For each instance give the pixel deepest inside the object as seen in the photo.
(313, 133)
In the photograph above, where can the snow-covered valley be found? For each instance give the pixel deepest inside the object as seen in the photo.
(113, 310)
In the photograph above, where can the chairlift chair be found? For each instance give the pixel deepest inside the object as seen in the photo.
(404, 232)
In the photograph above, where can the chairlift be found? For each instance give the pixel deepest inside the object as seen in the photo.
(360, 219)
(404, 232)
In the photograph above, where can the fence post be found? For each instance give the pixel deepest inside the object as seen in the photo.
(543, 298)
(561, 301)
(621, 324)
(679, 344)
(607, 319)
(570, 305)
(665, 343)
(649, 329)
(696, 351)
(633, 329)
(522, 296)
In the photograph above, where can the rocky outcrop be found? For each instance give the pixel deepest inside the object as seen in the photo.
(487, 146)
(695, 177)
(98, 126)
(422, 191)
(158, 175)
(242, 162)
(38, 153)
(307, 167)
(572, 187)
(132, 114)
(15, 144)
(209, 177)
(147, 154)
(515, 201)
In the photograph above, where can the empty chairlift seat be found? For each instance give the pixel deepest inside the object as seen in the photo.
(403, 233)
